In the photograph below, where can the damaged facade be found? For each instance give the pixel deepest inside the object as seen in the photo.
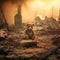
(18, 18)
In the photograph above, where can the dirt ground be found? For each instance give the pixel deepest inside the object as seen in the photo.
(45, 49)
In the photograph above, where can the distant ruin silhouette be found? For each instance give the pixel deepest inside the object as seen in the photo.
(18, 18)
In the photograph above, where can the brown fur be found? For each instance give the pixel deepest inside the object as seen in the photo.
(29, 32)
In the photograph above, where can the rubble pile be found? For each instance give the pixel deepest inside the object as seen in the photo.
(47, 23)
(11, 49)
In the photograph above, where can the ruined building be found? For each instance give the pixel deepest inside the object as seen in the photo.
(18, 18)
(59, 16)
(38, 21)
(3, 21)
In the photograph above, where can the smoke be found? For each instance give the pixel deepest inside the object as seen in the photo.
(14, 1)
(30, 9)
(46, 1)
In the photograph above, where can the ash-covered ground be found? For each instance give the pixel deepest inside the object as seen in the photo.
(46, 46)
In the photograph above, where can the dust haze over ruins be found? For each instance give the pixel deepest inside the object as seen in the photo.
(20, 40)
(30, 9)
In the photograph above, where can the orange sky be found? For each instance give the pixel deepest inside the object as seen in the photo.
(30, 9)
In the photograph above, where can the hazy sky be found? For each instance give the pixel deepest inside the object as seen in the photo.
(30, 9)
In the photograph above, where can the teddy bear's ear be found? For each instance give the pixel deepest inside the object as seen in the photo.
(30, 25)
